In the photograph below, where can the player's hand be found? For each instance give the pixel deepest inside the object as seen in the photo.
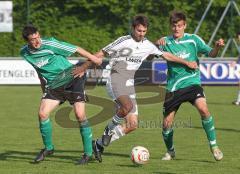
(96, 60)
(219, 43)
(161, 41)
(192, 65)
(78, 71)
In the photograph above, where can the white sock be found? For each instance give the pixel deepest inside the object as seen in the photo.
(238, 98)
(118, 133)
(116, 120)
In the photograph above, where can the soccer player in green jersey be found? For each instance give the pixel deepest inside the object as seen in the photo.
(49, 59)
(183, 83)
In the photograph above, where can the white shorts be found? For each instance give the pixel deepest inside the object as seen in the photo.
(115, 88)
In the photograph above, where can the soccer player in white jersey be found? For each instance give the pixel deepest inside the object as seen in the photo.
(126, 55)
(183, 84)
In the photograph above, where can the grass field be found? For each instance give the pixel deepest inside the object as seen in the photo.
(20, 138)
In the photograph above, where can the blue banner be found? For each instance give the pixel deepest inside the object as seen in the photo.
(212, 72)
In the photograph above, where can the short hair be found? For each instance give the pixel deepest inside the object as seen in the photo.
(140, 20)
(238, 33)
(28, 30)
(176, 17)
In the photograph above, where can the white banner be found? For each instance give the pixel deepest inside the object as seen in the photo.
(6, 22)
(19, 72)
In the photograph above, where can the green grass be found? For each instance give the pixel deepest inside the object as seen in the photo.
(20, 138)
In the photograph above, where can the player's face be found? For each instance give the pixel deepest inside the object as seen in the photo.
(139, 32)
(178, 29)
(34, 40)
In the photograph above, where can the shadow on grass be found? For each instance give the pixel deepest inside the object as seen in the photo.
(29, 156)
(162, 173)
(129, 165)
(220, 129)
(58, 156)
(202, 161)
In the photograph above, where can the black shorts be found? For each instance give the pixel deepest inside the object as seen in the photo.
(173, 100)
(72, 92)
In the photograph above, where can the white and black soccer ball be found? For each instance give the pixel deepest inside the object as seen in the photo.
(140, 155)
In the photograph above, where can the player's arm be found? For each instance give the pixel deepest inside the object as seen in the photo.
(219, 43)
(172, 58)
(89, 56)
(160, 42)
(80, 70)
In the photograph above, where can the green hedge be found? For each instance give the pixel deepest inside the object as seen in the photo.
(92, 24)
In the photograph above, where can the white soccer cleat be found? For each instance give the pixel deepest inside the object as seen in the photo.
(217, 153)
(170, 155)
(237, 103)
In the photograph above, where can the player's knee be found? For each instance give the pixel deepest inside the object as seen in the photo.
(42, 115)
(133, 125)
(127, 108)
(167, 123)
(204, 112)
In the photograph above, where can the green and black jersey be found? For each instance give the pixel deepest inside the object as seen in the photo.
(188, 47)
(50, 60)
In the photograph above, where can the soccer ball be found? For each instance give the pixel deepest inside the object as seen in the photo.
(140, 155)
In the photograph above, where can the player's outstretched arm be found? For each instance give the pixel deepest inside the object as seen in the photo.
(219, 43)
(160, 41)
(80, 70)
(89, 56)
(172, 58)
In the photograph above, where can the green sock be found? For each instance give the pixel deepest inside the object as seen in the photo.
(208, 126)
(46, 131)
(168, 139)
(86, 133)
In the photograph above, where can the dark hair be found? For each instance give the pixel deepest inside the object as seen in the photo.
(140, 19)
(176, 17)
(28, 30)
(238, 33)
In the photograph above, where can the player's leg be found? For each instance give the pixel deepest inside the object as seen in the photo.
(74, 92)
(46, 106)
(167, 133)
(131, 123)
(172, 102)
(237, 102)
(125, 106)
(208, 126)
(85, 131)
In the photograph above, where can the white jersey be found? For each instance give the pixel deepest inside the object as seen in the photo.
(126, 55)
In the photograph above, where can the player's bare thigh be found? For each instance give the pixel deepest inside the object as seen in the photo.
(79, 109)
(46, 107)
(201, 105)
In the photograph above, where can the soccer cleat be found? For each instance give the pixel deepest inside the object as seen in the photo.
(217, 153)
(97, 150)
(42, 154)
(170, 155)
(107, 135)
(236, 103)
(84, 160)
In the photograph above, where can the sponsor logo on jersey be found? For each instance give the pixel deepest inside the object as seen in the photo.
(135, 59)
(183, 54)
(41, 63)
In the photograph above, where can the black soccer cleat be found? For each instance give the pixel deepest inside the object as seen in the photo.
(107, 135)
(84, 160)
(42, 154)
(97, 151)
